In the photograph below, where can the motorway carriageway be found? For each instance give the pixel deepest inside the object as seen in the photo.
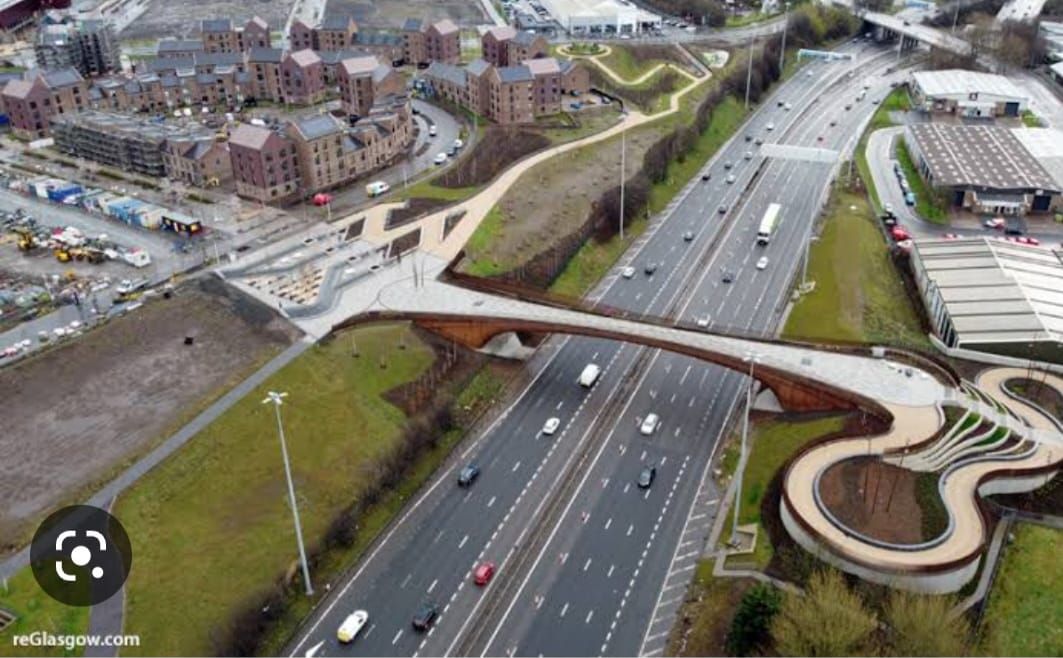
(600, 570)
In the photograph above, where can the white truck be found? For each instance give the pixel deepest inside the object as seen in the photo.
(376, 188)
(589, 375)
(768, 223)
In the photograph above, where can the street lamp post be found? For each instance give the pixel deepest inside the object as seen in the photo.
(276, 399)
(623, 167)
(752, 360)
(749, 67)
(785, 28)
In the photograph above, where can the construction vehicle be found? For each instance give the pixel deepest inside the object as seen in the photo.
(27, 239)
(81, 254)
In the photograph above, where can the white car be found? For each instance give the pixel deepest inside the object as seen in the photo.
(458, 143)
(650, 424)
(770, 127)
(352, 625)
(551, 426)
(762, 263)
(788, 107)
(730, 179)
(440, 158)
(703, 321)
(627, 272)
(432, 130)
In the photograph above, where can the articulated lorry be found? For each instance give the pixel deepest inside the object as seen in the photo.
(768, 223)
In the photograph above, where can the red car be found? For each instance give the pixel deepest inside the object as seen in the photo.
(1025, 239)
(900, 233)
(483, 573)
(322, 199)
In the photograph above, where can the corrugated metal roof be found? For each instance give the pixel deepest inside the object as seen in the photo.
(961, 82)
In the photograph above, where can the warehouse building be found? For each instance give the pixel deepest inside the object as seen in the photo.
(967, 94)
(601, 16)
(983, 169)
(989, 295)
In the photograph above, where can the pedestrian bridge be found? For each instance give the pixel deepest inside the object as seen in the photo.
(1011, 451)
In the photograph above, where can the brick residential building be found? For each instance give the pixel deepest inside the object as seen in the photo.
(264, 164)
(202, 162)
(264, 67)
(387, 46)
(219, 35)
(332, 34)
(438, 42)
(546, 87)
(363, 79)
(302, 76)
(505, 46)
(510, 95)
(255, 34)
(31, 104)
(575, 79)
(179, 48)
(90, 46)
(413, 46)
(323, 149)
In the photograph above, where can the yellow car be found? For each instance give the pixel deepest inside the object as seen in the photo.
(352, 625)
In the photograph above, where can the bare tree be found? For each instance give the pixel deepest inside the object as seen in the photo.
(829, 620)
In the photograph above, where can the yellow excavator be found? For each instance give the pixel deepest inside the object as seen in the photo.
(27, 240)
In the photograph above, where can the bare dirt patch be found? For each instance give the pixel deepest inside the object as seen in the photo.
(391, 13)
(75, 413)
(875, 499)
(166, 19)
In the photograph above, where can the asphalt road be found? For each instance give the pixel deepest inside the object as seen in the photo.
(583, 573)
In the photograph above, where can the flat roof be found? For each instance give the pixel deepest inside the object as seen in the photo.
(988, 157)
(996, 291)
(961, 82)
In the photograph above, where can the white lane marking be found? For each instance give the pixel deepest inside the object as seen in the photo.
(463, 540)
(492, 501)
(587, 564)
(406, 581)
(559, 405)
(589, 616)
(631, 528)
(610, 572)
(608, 522)
(564, 609)
(515, 467)
(395, 639)
(433, 585)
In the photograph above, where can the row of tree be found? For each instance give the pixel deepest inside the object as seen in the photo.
(831, 619)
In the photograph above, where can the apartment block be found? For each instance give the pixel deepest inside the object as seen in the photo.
(323, 148)
(119, 140)
(361, 80)
(220, 35)
(505, 46)
(302, 76)
(387, 46)
(438, 42)
(32, 104)
(179, 48)
(264, 164)
(332, 34)
(89, 46)
(200, 162)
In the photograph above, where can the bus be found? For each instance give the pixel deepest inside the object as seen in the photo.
(768, 223)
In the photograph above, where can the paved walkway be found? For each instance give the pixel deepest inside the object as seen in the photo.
(911, 425)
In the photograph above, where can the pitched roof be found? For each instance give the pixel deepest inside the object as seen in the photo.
(445, 26)
(216, 25)
(273, 55)
(19, 88)
(381, 72)
(526, 38)
(317, 126)
(337, 22)
(305, 58)
(178, 45)
(514, 74)
(248, 136)
(62, 78)
(449, 72)
(377, 38)
(502, 33)
(259, 22)
(218, 59)
(542, 66)
(412, 24)
(360, 65)
(478, 67)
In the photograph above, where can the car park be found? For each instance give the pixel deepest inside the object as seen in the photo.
(425, 615)
(483, 573)
(762, 263)
(468, 475)
(650, 424)
(627, 272)
(551, 426)
(351, 626)
(646, 476)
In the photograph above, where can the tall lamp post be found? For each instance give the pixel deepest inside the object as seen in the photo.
(752, 359)
(749, 67)
(785, 29)
(276, 399)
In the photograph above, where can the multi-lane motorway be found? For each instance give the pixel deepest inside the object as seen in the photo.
(589, 564)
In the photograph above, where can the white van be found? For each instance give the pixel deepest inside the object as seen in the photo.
(589, 375)
(376, 188)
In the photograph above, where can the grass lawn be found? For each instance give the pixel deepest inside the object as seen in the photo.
(478, 248)
(36, 611)
(593, 260)
(624, 63)
(771, 443)
(927, 203)
(859, 295)
(748, 19)
(1026, 604)
(224, 496)
(1030, 120)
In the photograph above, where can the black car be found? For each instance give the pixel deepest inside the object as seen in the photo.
(749, 138)
(779, 104)
(727, 165)
(650, 268)
(728, 276)
(468, 475)
(706, 176)
(646, 476)
(425, 615)
(722, 210)
(688, 236)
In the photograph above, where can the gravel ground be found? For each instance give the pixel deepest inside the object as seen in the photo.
(391, 13)
(166, 19)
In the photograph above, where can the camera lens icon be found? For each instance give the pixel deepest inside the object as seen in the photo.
(81, 555)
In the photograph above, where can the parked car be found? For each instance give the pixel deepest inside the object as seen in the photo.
(432, 132)
(722, 209)
(440, 158)
(468, 475)
(900, 233)
(909, 198)
(770, 127)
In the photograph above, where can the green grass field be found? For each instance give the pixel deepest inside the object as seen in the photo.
(771, 443)
(928, 204)
(224, 496)
(624, 63)
(858, 295)
(36, 611)
(1026, 604)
